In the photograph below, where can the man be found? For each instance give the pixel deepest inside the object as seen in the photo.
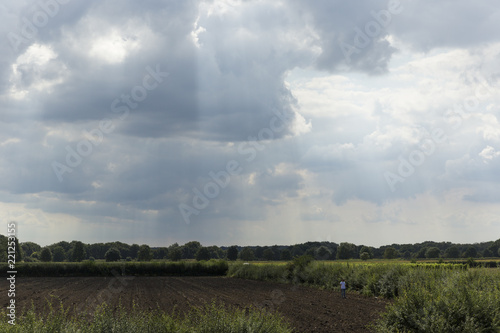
(342, 288)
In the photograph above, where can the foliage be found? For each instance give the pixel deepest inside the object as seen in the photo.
(92, 268)
(390, 253)
(78, 252)
(46, 255)
(346, 251)
(209, 318)
(452, 252)
(232, 253)
(203, 253)
(29, 248)
(175, 254)
(113, 254)
(58, 254)
(432, 252)
(364, 256)
(145, 253)
(445, 301)
(471, 252)
(268, 254)
(323, 253)
(247, 254)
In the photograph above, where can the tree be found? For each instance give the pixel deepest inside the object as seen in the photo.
(323, 253)
(78, 253)
(19, 250)
(175, 254)
(58, 254)
(113, 254)
(365, 249)
(452, 252)
(297, 251)
(30, 247)
(487, 253)
(364, 256)
(46, 255)
(203, 253)
(232, 253)
(346, 251)
(145, 253)
(421, 252)
(268, 254)
(190, 249)
(286, 255)
(390, 253)
(470, 252)
(498, 252)
(134, 250)
(160, 253)
(247, 254)
(432, 252)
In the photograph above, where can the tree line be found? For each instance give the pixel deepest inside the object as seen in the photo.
(77, 251)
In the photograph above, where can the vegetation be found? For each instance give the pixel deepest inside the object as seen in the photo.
(92, 268)
(447, 297)
(77, 251)
(210, 318)
(113, 254)
(46, 255)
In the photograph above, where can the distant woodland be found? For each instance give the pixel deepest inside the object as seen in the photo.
(114, 251)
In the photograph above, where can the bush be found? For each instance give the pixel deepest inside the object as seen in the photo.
(113, 254)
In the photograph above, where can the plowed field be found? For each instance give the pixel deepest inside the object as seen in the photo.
(307, 309)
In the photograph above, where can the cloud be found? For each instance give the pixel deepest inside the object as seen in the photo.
(139, 104)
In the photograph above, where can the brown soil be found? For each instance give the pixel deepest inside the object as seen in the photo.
(307, 309)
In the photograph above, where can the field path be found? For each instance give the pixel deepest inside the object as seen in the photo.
(307, 309)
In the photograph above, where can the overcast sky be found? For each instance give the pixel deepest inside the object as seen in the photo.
(250, 122)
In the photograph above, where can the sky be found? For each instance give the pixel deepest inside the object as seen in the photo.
(250, 122)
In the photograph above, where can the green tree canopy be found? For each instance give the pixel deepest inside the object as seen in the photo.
(323, 253)
(30, 247)
(134, 251)
(452, 252)
(113, 254)
(390, 253)
(58, 254)
(46, 255)
(470, 252)
(247, 254)
(175, 254)
(268, 254)
(145, 253)
(432, 252)
(203, 253)
(346, 251)
(286, 255)
(78, 253)
(232, 253)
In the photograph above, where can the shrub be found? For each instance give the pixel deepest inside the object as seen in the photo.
(113, 254)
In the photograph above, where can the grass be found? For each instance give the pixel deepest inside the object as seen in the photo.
(210, 318)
